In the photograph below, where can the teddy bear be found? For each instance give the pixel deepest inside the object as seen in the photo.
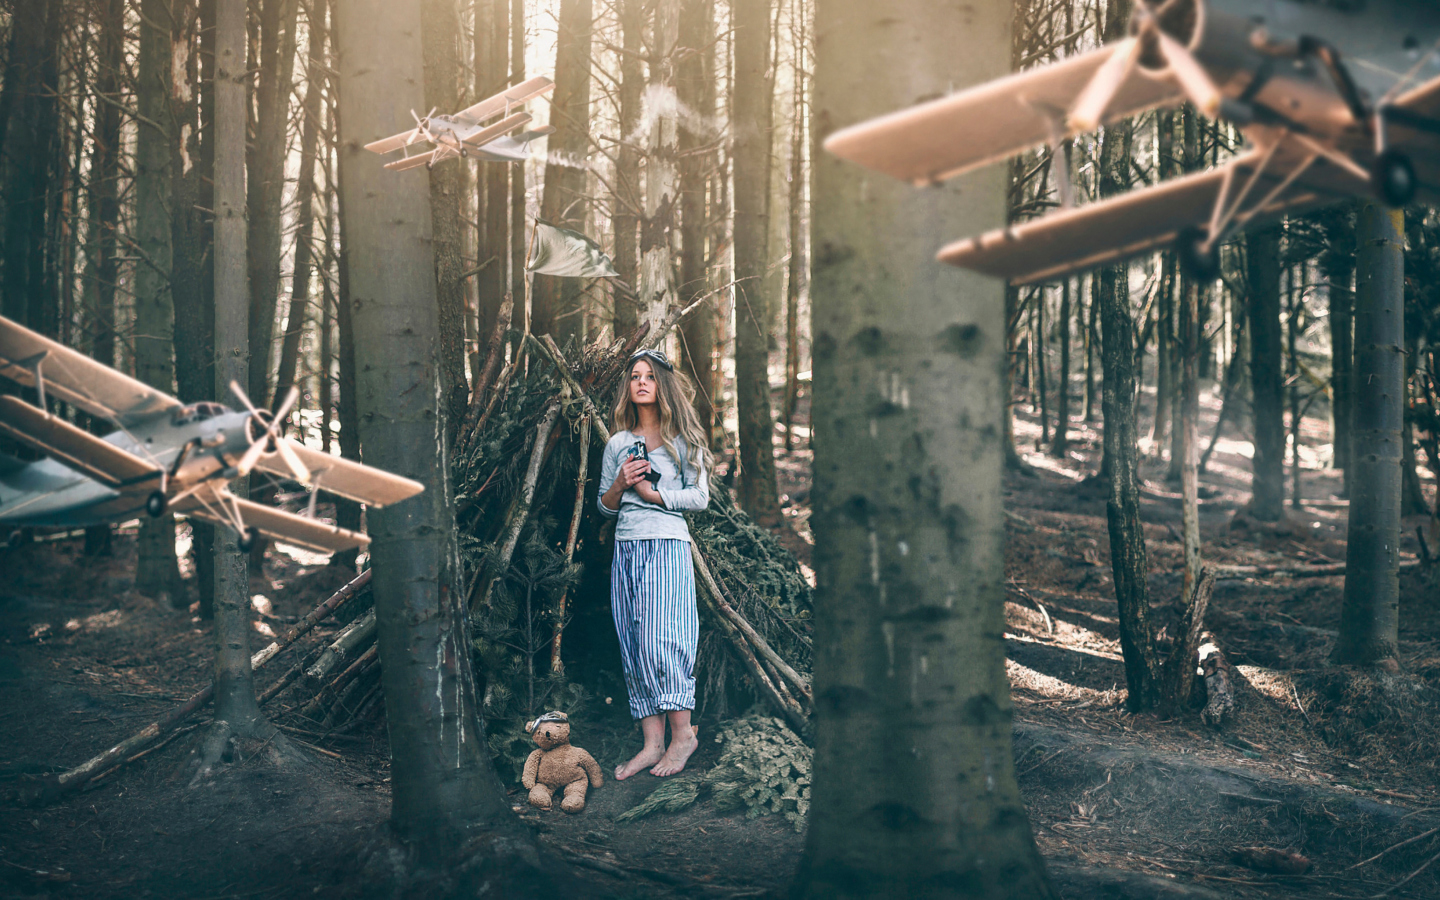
(558, 766)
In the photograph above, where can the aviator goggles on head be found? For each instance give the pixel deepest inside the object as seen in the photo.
(653, 355)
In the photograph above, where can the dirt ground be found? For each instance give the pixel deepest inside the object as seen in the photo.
(1122, 805)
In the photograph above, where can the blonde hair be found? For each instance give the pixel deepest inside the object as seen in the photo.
(675, 401)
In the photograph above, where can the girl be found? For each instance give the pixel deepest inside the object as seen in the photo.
(652, 582)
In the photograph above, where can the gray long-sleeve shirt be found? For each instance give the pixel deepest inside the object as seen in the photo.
(641, 520)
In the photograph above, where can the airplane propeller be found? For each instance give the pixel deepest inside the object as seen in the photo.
(422, 125)
(1149, 34)
(269, 439)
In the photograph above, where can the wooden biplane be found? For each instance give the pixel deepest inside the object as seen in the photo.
(1336, 101)
(163, 455)
(465, 134)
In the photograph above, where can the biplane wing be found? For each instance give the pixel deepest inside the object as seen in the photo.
(347, 478)
(940, 139)
(217, 505)
(76, 378)
(499, 129)
(1112, 230)
(77, 449)
(410, 162)
(501, 102)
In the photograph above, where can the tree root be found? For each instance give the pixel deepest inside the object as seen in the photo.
(226, 745)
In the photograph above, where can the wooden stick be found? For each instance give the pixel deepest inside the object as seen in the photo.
(520, 513)
(1298, 570)
(494, 352)
(557, 665)
(1418, 837)
(78, 776)
(745, 628)
(546, 344)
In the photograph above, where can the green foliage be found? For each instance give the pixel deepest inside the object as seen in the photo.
(764, 769)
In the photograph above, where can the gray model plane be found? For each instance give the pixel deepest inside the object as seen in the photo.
(163, 455)
(1337, 100)
(464, 133)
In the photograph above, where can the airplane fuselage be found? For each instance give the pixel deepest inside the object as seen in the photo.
(48, 493)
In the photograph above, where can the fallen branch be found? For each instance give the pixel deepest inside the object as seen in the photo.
(1296, 569)
(1219, 692)
(520, 511)
(557, 665)
(75, 778)
(493, 353)
(759, 643)
(1418, 837)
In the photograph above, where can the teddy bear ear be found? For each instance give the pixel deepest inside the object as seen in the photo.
(530, 726)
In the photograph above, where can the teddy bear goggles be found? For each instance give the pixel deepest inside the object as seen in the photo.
(556, 716)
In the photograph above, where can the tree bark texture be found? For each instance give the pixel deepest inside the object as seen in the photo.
(234, 683)
(696, 92)
(440, 21)
(492, 65)
(1338, 266)
(1061, 443)
(556, 301)
(1370, 611)
(1262, 252)
(26, 105)
(908, 362)
(750, 125)
(443, 775)
(626, 200)
(156, 568)
(265, 183)
(658, 233)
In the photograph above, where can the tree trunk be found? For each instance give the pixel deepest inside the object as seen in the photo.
(1338, 266)
(305, 203)
(443, 776)
(492, 63)
(626, 199)
(519, 209)
(26, 156)
(156, 569)
(1061, 443)
(662, 176)
(908, 518)
(236, 711)
(1092, 339)
(102, 269)
(759, 495)
(696, 92)
(192, 278)
(1262, 251)
(556, 300)
(1370, 612)
(265, 183)
(440, 20)
(347, 512)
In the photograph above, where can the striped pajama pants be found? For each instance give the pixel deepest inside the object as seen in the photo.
(652, 597)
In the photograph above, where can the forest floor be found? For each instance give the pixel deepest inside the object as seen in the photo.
(1316, 763)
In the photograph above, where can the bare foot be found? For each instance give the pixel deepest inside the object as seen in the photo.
(647, 757)
(677, 754)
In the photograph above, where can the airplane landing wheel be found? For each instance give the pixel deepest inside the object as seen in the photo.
(1195, 261)
(247, 539)
(155, 505)
(1393, 178)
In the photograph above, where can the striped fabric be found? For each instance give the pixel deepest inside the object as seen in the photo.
(652, 596)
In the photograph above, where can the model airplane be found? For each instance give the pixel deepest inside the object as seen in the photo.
(1335, 102)
(163, 456)
(465, 133)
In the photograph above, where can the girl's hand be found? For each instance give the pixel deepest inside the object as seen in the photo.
(648, 493)
(630, 474)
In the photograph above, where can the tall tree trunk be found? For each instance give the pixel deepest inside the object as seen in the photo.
(519, 211)
(192, 278)
(908, 519)
(1370, 612)
(759, 494)
(156, 568)
(26, 157)
(492, 67)
(626, 199)
(696, 92)
(265, 182)
(440, 20)
(443, 775)
(305, 207)
(1189, 416)
(1061, 444)
(658, 233)
(555, 300)
(102, 268)
(798, 267)
(1092, 339)
(1338, 265)
(1262, 251)
(347, 512)
(236, 711)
